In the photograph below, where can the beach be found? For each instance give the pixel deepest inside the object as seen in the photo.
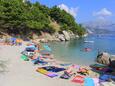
(22, 73)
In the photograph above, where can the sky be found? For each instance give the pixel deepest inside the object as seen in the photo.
(85, 10)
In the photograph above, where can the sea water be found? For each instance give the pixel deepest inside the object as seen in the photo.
(74, 51)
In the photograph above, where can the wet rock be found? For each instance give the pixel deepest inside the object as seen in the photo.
(61, 37)
(107, 59)
(103, 58)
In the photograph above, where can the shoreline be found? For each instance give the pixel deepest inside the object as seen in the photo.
(22, 73)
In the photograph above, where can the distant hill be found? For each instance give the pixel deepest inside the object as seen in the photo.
(100, 27)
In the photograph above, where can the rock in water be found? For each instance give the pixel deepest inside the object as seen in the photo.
(66, 35)
(103, 58)
(61, 37)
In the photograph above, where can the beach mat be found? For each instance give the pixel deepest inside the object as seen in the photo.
(98, 66)
(24, 57)
(106, 77)
(65, 76)
(47, 73)
(46, 47)
(89, 82)
(39, 61)
(78, 79)
(53, 69)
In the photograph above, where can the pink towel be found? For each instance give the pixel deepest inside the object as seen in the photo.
(96, 81)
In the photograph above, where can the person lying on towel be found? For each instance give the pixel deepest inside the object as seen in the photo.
(68, 72)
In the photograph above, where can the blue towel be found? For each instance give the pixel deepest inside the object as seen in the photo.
(46, 47)
(88, 82)
(106, 77)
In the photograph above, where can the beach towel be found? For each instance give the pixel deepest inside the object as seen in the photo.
(88, 82)
(53, 69)
(78, 79)
(39, 61)
(98, 66)
(51, 74)
(65, 76)
(96, 81)
(106, 77)
(46, 47)
(107, 84)
(41, 70)
(68, 64)
(47, 73)
(24, 57)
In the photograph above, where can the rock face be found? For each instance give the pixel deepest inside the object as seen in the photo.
(103, 58)
(66, 35)
(61, 37)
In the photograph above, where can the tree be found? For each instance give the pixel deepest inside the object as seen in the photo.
(21, 17)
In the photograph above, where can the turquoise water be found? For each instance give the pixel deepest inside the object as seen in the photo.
(73, 51)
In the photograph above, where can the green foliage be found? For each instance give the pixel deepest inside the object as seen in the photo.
(19, 17)
(66, 21)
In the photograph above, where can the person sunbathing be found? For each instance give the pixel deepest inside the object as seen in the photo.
(70, 71)
(83, 71)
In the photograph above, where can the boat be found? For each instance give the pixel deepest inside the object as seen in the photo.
(89, 41)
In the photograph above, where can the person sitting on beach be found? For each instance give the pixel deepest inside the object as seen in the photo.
(70, 70)
(83, 71)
